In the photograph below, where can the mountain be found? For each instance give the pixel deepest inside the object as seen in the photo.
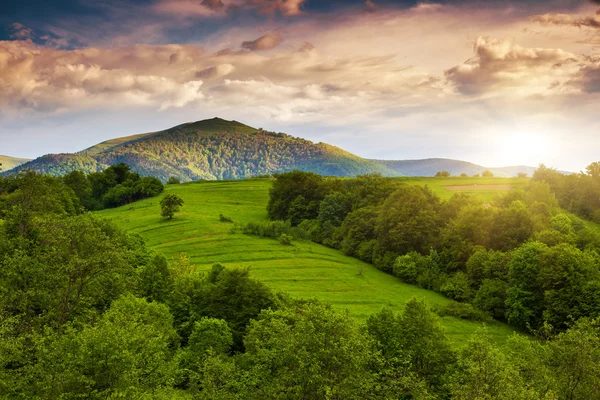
(11, 162)
(210, 149)
(430, 166)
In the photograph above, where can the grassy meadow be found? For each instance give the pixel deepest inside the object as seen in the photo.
(483, 188)
(304, 270)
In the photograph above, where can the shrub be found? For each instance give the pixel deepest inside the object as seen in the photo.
(285, 239)
(173, 181)
(462, 311)
(224, 218)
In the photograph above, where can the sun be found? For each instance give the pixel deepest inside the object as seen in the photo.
(522, 147)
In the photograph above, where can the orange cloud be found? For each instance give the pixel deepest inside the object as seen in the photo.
(266, 42)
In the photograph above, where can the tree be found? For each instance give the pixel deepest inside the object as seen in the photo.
(129, 351)
(443, 174)
(484, 373)
(409, 220)
(522, 175)
(173, 181)
(308, 351)
(487, 174)
(170, 205)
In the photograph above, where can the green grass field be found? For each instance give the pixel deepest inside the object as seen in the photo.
(305, 269)
(483, 188)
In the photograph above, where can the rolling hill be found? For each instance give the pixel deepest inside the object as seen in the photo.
(430, 166)
(11, 162)
(210, 149)
(302, 270)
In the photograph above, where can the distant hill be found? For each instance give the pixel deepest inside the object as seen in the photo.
(11, 162)
(430, 166)
(210, 149)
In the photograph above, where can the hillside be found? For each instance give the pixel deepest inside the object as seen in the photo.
(304, 270)
(210, 149)
(11, 162)
(429, 167)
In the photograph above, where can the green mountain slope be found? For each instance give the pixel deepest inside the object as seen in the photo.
(211, 149)
(11, 162)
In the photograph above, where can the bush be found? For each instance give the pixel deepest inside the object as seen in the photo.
(285, 239)
(462, 311)
(274, 229)
(223, 218)
(173, 181)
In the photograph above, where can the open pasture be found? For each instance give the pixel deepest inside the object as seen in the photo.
(304, 270)
(484, 189)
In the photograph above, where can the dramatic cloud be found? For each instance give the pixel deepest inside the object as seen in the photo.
(284, 7)
(500, 65)
(588, 78)
(211, 8)
(266, 42)
(383, 84)
(566, 19)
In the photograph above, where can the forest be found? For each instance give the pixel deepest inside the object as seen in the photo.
(88, 311)
(519, 259)
(210, 149)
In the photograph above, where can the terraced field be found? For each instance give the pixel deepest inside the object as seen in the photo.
(304, 269)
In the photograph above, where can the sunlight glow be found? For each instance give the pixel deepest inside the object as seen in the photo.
(524, 146)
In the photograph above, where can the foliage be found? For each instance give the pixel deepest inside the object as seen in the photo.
(210, 149)
(462, 311)
(308, 351)
(577, 193)
(224, 218)
(518, 258)
(170, 204)
(285, 239)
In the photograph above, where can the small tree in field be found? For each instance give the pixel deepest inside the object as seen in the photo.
(487, 174)
(443, 174)
(170, 204)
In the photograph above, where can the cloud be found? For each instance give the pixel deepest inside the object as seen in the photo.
(424, 7)
(500, 65)
(569, 20)
(190, 8)
(588, 78)
(265, 42)
(287, 8)
(20, 32)
(212, 8)
(217, 71)
(213, 4)
(370, 6)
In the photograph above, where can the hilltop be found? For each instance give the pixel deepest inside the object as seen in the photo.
(210, 149)
(216, 149)
(11, 162)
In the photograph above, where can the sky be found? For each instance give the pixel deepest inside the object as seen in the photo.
(492, 82)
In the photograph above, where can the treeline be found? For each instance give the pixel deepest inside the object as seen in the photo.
(520, 258)
(113, 187)
(87, 311)
(578, 193)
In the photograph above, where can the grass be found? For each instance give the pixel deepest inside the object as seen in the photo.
(303, 270)
(437, 185)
